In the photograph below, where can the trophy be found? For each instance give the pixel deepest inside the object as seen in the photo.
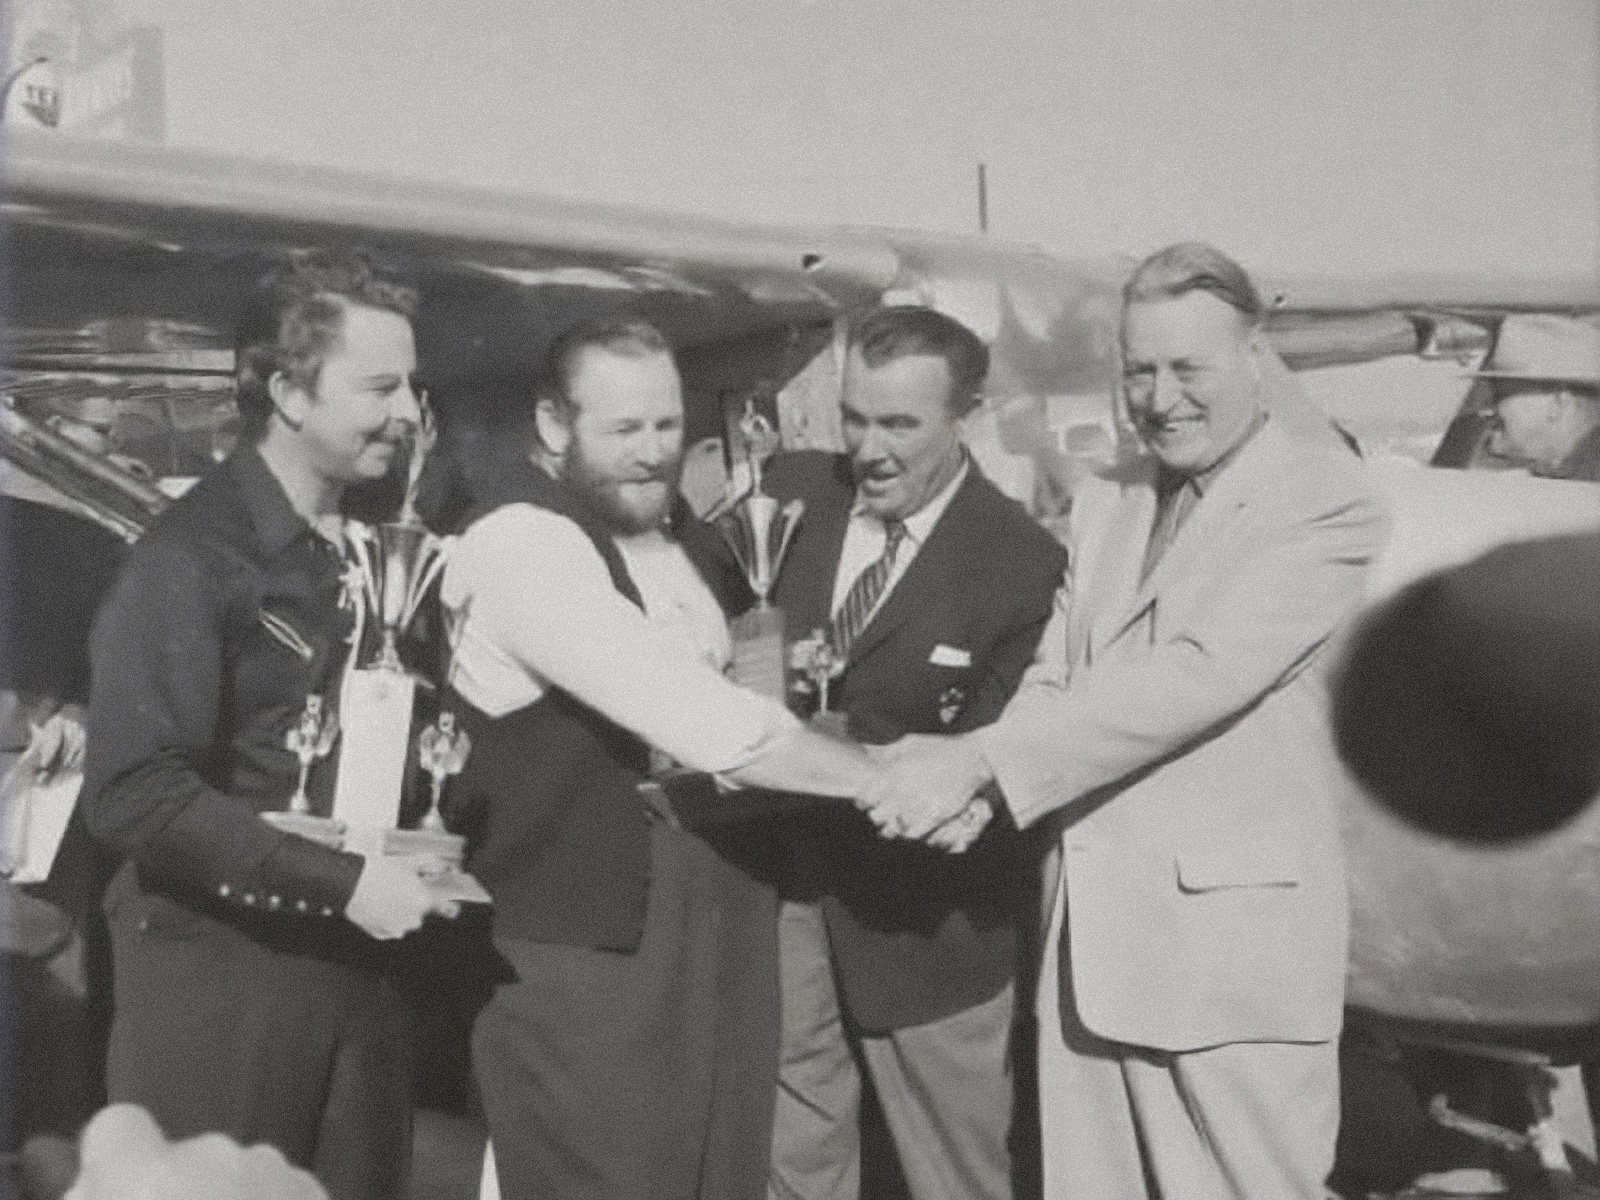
(819, 663)
(310, 739)
(759, 530)
(442, 752)
(391, 567)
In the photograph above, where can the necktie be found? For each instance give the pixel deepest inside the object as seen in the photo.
(864, 592)
(1172, 510)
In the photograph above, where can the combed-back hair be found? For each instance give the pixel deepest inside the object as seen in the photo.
(1194, 267)
(886, 334)
(294, 316)
(619, 333)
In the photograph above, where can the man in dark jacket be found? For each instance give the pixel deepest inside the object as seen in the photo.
(934, 588)
(249, 996)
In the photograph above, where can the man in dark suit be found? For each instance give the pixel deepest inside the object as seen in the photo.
(934, 588)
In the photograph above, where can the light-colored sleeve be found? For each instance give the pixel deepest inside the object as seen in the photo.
(532, 583)
(1265, 617)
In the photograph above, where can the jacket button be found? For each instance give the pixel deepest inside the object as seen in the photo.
(144, 924)
(249, 897)
(274, 902)
(224, 890)
(301, 906)
(326, 911)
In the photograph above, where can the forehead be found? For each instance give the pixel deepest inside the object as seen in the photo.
(1195, 323)
(372, 341)
(612, 385)
(916, 383)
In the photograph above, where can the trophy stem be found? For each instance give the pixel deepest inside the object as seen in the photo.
(822, 694)
(389, 654)
(434, 820)
(300, 802)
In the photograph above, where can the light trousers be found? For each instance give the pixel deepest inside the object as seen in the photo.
(944, 1087)
(1243, 1121)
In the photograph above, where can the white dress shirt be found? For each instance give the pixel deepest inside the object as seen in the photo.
(865, 537)
(532, 606)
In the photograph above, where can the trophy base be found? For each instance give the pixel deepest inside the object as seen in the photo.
(323, 830)
(834, 724)
(443, 875)
(432, 843)
(758, 659)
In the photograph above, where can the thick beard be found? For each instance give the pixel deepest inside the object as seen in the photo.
(604, 495)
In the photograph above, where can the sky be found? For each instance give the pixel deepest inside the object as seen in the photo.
(1302, 135)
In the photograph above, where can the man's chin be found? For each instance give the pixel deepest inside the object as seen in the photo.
(634, 514)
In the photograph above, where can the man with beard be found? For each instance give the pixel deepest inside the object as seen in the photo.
(636, 1052)
(248, 981)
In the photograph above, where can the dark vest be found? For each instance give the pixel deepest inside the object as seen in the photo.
(557, 830)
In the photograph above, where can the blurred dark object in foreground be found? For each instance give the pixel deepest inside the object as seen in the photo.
(1470, 704)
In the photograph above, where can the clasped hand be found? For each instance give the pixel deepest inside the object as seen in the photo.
(928, 788)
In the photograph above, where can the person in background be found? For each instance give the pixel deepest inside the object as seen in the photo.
(249, 992)
(1545, 415)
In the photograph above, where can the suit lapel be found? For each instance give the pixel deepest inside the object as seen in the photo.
(1191, 552)
(938, 559)
(1110, 553)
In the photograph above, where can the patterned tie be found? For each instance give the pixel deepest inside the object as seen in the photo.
(864, 592)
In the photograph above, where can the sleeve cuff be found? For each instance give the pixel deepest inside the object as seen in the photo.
(303, 876)
(1027, 795)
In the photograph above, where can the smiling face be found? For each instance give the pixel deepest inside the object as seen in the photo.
(362, 410)
(902, 436)
(1190, 377)
(620, 439)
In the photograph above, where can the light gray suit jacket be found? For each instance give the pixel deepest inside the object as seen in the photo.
(1182, 743)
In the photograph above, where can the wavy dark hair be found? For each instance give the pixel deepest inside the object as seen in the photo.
(294, 316)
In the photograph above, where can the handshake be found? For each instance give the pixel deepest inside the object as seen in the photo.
(928, 788)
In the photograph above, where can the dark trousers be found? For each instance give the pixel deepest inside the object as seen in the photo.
(214, 1030)
(648, 1075)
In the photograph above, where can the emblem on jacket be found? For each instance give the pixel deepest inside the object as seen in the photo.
(951, 701)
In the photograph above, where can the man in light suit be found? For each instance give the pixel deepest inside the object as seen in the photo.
(1193, 971)
(935, 588)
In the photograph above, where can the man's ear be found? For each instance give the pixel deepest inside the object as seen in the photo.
(289, 400)
(555, 434)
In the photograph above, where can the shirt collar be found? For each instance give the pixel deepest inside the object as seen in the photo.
(920, 523)
(277, 524)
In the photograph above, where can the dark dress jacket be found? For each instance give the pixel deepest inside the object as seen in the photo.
(557, 829)
(225, 617)
(919, 934)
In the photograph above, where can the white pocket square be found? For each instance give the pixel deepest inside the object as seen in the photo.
(949, 656)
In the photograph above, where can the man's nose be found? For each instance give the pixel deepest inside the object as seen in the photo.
(1165, 393)
(654, 447)
(871, 447)
(405, 404)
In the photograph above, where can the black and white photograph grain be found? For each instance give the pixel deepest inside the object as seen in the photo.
(800, 600)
